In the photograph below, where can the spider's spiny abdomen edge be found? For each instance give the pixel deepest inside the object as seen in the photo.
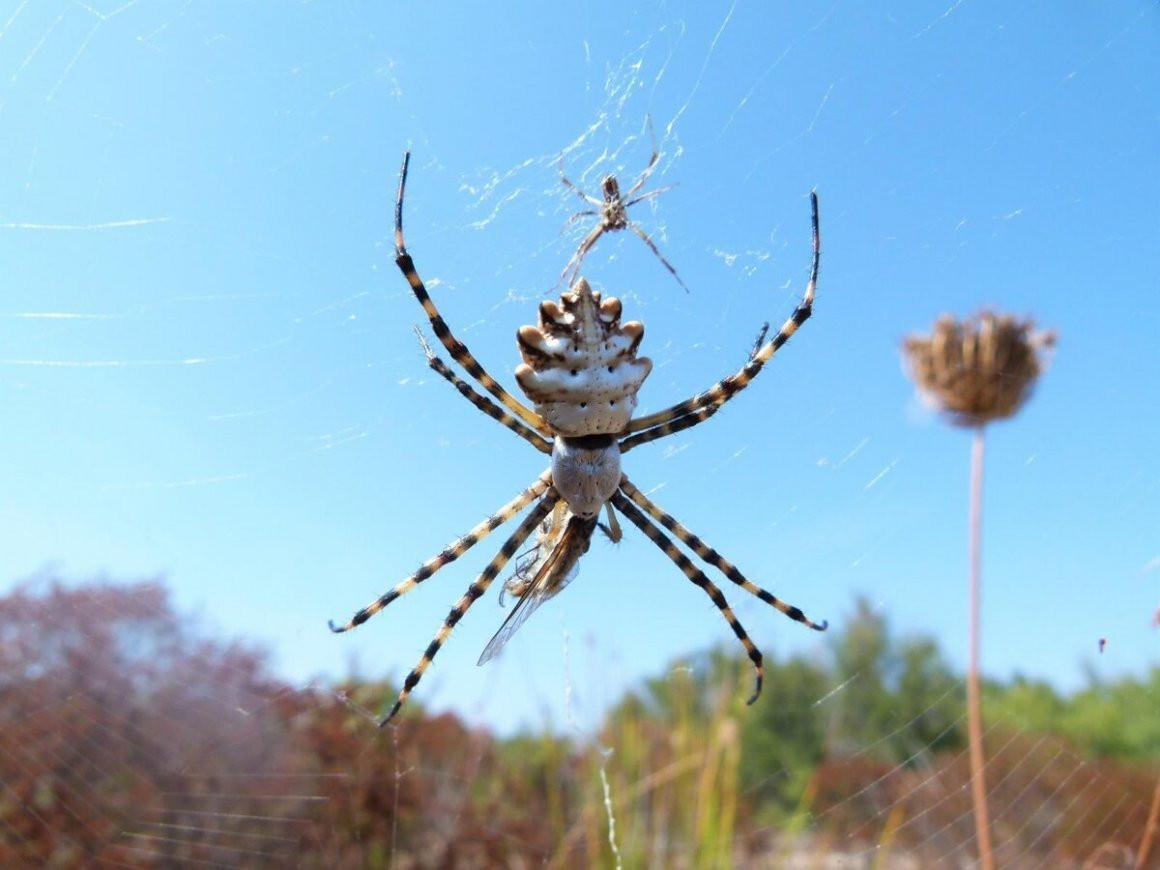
(580, 366)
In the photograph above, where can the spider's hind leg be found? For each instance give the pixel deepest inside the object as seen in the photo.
(451, 553)
(697, 576)
(712, 557)
(474, 592)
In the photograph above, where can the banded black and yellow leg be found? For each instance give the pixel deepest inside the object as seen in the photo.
(727, 388)
(482, 402)
(455, 347)
(678, 424)
(698, 577)
(712, 557)
(451, 552)
(474, 592)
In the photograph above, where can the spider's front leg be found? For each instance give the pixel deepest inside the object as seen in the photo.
(455, 347)
(482, 402)
(704, 405)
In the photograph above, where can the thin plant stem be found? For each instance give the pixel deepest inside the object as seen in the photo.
(1150, 829)
(974, 711)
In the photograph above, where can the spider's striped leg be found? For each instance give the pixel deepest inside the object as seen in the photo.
(712, 557)
(678, 424)
(455, 347)
(452, 552)
(474, 592)
(482, 402)
(698, 577)
(727, 388)
(685, 421)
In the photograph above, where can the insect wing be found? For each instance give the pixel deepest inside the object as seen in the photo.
(538, 591)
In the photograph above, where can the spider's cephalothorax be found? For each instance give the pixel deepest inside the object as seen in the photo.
(614, 212)
(582, 374)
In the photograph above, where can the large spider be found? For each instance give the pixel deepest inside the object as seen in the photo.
(612, 212)
(582, 373)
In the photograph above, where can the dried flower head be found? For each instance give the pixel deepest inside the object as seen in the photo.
(980, 369)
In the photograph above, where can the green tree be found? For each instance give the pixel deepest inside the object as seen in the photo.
(1027, 705)
(930, 701)
(783, 734)
(863, 709)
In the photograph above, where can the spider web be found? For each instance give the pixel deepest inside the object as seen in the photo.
(208, 371)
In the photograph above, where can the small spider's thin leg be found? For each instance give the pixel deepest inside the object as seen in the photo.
(576, 190)
(712, 557)
(728, 387)
(698, 577)
(644, 237)
(455, 347)
(482, 402)
(652, 162)
(474, 592)
(573, 264)
(588, 212)
(451, 552)
(649, 195)
(591, 200)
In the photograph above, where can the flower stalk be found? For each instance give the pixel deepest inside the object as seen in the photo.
(976, 371)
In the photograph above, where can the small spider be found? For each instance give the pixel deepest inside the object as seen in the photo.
(613, 214)
(582, 373)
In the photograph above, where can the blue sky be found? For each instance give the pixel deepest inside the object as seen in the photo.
(207, 367)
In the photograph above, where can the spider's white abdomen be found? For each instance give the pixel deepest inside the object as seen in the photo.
(580, 365)
(586, 472)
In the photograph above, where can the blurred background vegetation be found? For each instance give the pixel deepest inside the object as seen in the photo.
(131, 737)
